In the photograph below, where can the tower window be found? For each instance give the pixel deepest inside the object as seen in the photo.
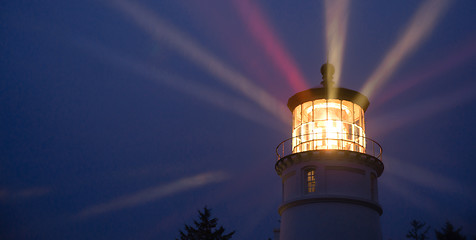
(310, 175)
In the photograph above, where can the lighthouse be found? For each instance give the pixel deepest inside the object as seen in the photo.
(329, 167)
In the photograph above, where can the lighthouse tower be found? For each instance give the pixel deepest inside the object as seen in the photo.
(329, 168)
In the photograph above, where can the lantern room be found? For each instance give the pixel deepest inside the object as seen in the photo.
(328, 118)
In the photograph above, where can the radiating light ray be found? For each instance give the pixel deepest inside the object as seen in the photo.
(258, 180)
(26, 193)
(437, 68)
(401, 177)
(153, 194)
(403, 189)
(238, 42)
(261, 30)
(423, 177)
(202, 92)
(421, 25)
(422, 110)
(164, 32)
(337, 14)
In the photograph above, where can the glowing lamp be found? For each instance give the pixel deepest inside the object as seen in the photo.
(328, 118)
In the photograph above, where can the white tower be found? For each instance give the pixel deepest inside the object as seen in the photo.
(329, 168)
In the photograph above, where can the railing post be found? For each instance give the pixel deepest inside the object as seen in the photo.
(342, 144)
(283, 148)
(373, 148)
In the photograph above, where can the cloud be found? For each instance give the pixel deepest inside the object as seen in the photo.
(153, 194)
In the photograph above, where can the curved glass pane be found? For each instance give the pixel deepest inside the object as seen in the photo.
(328, 124)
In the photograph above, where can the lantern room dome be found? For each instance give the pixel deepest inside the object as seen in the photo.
(328, 91)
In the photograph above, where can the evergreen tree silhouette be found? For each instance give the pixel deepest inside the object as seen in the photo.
(205, 229)
(449, 233)
(417, 231)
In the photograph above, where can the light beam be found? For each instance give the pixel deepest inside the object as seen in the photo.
(445, 64)
(261, 30)
(421, 25)
(153, 194)
(402, 188)
(423, 109)
(195, 89)
(424, 177)
(337, 14)
(165, 33)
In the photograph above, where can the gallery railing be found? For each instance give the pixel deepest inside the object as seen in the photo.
(316, 142)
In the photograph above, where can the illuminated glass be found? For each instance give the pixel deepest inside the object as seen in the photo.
(328, 124)
(297, 122)
(310, 180)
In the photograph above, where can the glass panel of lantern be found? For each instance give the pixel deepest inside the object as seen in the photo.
(297, 129)
(334, 124)
(320, 116)
(347, 121)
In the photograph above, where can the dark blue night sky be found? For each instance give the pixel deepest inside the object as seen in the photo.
(120, 119)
